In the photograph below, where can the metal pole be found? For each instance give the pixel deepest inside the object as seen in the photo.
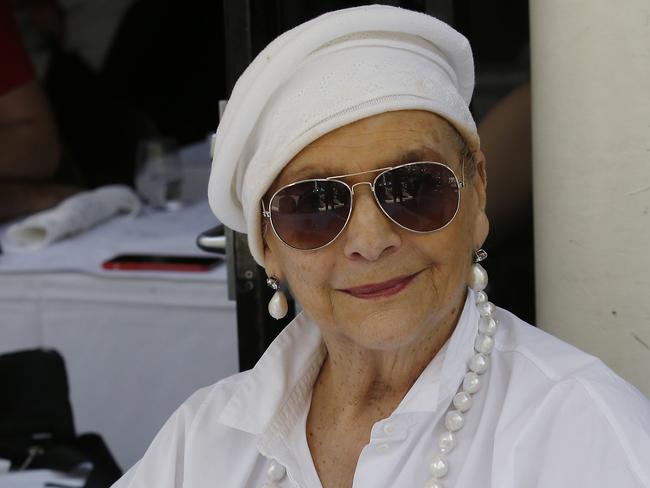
(237, 37)
(247, 280)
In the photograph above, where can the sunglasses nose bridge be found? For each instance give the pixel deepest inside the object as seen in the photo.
(371, 184)
(372, 188)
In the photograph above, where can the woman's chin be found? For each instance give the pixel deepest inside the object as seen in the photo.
(384, 329)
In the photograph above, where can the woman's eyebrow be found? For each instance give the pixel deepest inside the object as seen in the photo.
(306, 172)
(421, 154)
(410, 156)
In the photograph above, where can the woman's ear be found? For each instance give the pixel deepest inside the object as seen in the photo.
(479, 180)
(271, 263)
(479, 185)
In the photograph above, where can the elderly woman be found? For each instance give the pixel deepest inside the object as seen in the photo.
(349, 156)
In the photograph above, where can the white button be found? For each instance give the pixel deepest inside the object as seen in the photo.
(275, 471)
(389, 429)
(381, 448)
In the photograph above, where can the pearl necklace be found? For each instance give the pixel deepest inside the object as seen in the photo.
(462, 401)
(478, 364)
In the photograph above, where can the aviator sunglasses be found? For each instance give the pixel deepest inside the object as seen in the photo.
(310, 214)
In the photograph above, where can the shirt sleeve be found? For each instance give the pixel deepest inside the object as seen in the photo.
(576, 438)
(163, 464)
(16, 66)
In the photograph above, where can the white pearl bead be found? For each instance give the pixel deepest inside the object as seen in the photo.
(478, 277)
(275, 471)
(439, 466)
(471, 382)
(479, 363)
(487, 325)
(432, 483)
(484, 343)
(447, 441)
(463, 401)
(278, 306)
(486, 309)
(454, 420)
(481, 297)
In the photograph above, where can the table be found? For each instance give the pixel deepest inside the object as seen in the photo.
(136, 344)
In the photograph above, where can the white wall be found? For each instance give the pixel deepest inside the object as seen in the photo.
(591, 175)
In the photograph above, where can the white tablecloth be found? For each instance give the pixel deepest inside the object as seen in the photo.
(136, 343)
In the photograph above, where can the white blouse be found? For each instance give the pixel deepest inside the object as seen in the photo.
(547, 416)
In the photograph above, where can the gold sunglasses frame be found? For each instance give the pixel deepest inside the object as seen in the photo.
(460, 186)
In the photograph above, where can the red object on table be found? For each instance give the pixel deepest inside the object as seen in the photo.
(143, 262)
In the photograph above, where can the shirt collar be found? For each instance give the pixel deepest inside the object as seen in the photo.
(282, 379)
(287, 370)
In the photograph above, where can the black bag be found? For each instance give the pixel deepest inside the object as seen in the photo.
(36, 422)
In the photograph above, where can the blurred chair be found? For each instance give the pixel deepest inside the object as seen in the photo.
(36, 421)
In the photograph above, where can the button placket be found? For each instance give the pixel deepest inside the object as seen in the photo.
(382, 448)
(385, 434)
(275, 473)
(389, 428)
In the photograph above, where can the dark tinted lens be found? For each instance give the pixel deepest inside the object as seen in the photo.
(310, 214)
(421, 197)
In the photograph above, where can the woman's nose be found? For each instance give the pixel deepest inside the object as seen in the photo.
(369, 234)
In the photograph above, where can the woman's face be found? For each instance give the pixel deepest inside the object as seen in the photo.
(372, 249)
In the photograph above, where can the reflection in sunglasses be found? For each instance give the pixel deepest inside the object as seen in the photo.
(420, 196)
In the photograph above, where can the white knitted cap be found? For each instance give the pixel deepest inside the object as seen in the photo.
(326, 73)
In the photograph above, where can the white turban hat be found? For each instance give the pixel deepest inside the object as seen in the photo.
(326, 73)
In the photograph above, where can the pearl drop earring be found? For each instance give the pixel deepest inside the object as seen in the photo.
(278, 306)
(478, 276)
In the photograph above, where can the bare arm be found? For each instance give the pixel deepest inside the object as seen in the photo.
(29, 147)
(29, 154)
(23, 198)
(506, 141)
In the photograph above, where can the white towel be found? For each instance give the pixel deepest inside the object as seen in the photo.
(333, 70)
(76, 214)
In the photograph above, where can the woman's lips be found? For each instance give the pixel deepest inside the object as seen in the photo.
(387, 288)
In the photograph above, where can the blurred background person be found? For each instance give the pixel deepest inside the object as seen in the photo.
(29, 145)
(119, 72)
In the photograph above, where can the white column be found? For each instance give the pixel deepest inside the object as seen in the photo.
(591, 177)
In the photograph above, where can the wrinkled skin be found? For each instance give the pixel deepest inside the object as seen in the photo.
(377, 347)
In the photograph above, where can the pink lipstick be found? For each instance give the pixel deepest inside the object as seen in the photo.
(384, 289)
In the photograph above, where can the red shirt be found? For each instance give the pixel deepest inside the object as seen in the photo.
(15, 67)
